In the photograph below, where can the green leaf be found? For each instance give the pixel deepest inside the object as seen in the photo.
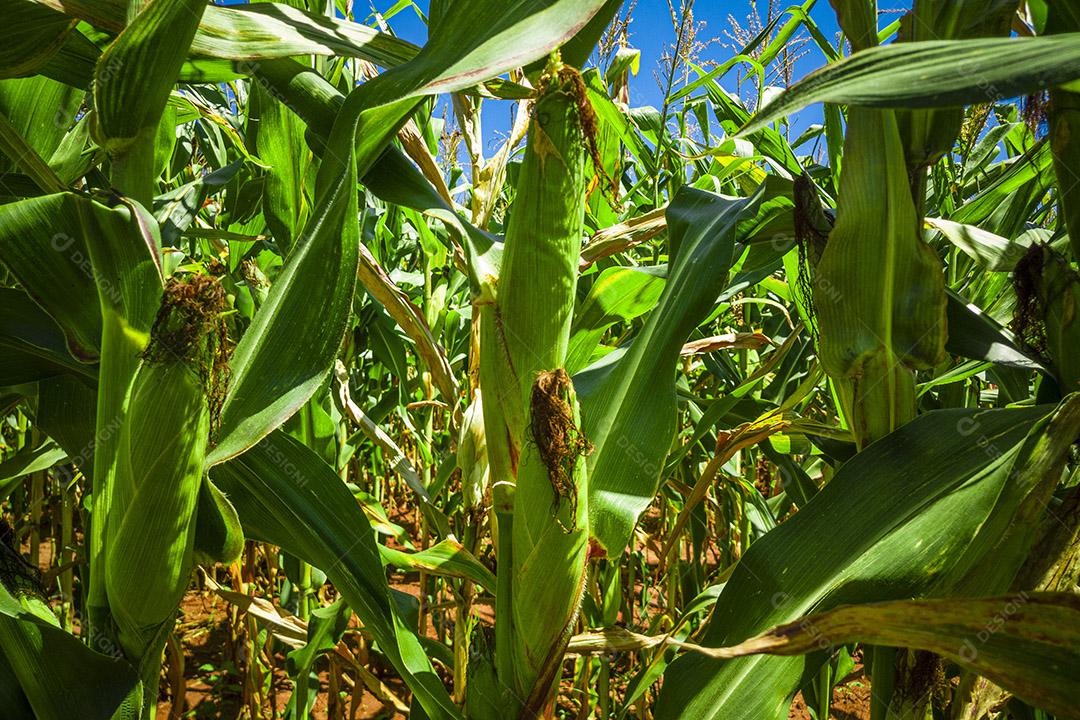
(1028, 176)
(61, 678)
(1064, 122)
(66, 411)
(912, 504)
(992, 252)
(32, 33)
(264, 31)
(447, 558)
(628, 399)
(938, 73)
(475, 42)
(26, 461)
(275, 30)
(1028, 643)
(32, 345)
(279, 141)
(286, 495)
(972, 334)
(42, 243)
(325, 628)
(177, 209)
(40, 111)
(290, 346)
(619, 294)
(137, 71)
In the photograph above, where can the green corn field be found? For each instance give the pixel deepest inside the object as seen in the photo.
(517, 372)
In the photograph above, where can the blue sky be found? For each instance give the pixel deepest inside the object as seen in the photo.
(651, 32)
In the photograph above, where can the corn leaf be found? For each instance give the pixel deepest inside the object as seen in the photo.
(44, 247)
(447, 558)
(990, 251)
(32, 345)
(933, 73)
(60, 677)
(628, 397)
(972, 334)
(279, 141)
(66, 412)
(32, 33)
(26, 461)
(1025, 642)
(136, 73)
(617, 295)
(286, 353)
(912, 505)
(39, 110)
(261, 32)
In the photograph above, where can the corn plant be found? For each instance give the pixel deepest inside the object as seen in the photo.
(651, 413)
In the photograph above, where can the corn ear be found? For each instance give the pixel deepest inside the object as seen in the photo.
(151, 553)
(874, 335)
(219, 537)
(472, 453)
(551, 536)
(525, 330)
(162, 456)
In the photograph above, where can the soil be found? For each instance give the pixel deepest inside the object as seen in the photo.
(850, 700)
(214, 685)
(214, 661)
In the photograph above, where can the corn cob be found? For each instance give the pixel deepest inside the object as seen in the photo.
(530, 322)
(551, 537)
(163, 446)
(151, 555)
(525, 329)
(472, 453)
(873, 338)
